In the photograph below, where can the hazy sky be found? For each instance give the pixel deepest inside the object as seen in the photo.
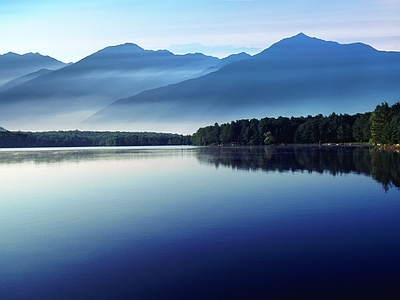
(70, 30)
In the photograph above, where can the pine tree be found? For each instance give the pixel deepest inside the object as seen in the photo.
(380, 125)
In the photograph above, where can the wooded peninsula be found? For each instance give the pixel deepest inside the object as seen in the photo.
(380, 127)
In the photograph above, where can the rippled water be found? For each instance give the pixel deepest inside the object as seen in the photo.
(199, 223)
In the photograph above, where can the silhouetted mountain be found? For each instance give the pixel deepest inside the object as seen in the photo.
(296, 76)
(234, 58)
(13, 65)
(22, 79)
(226, 61)
(72, 94)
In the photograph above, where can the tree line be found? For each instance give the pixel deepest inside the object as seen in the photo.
(382, 126)
(78, 138)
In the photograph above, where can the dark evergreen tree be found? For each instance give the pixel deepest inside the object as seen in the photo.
(380, 125)
(361, 128)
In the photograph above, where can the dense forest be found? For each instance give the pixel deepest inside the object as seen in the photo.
(382, 126)
(385, 124)
(78, 138)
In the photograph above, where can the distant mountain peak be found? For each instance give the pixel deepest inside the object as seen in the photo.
(10, 54)
(127, 47)
(34, 54)
(131, 46)
(301, 35)
(306, 45)
(29, 54)
(303, 38)
(110, 52)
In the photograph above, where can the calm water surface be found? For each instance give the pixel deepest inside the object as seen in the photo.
(199, 223)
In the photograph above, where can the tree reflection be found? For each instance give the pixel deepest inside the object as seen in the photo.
(383, 166)
(76, 155)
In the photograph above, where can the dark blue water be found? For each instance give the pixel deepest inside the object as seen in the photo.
(199, 223)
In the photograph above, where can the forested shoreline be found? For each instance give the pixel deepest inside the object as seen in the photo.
(380, 127)
(76, 138)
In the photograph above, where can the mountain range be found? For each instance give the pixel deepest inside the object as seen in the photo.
(126, 87)
(65, 97)
(13, 65)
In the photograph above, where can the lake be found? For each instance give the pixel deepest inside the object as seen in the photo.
(199, 223)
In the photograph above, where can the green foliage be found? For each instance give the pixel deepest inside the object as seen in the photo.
(269, 139)
(282, 130)
(89, 138)
(385, 124)
(362, 128)
(382, 126)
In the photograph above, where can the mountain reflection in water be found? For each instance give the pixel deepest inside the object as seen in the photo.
(382, 165)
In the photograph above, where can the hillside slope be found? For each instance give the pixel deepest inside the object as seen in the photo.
(296, 76)
(65, 97)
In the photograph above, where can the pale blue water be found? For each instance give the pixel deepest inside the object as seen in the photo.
(197, 223)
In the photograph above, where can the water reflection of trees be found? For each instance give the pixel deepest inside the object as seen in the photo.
(76, 155)
(383, 166)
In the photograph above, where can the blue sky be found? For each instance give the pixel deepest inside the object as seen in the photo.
(71, 30)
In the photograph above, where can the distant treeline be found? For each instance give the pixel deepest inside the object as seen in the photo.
(379, 127)
(9, 139)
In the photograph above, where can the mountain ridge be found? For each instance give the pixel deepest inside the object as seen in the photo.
(23, 79)
(13, 65)
(284, 79)
(126, 87)
(97, 80)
